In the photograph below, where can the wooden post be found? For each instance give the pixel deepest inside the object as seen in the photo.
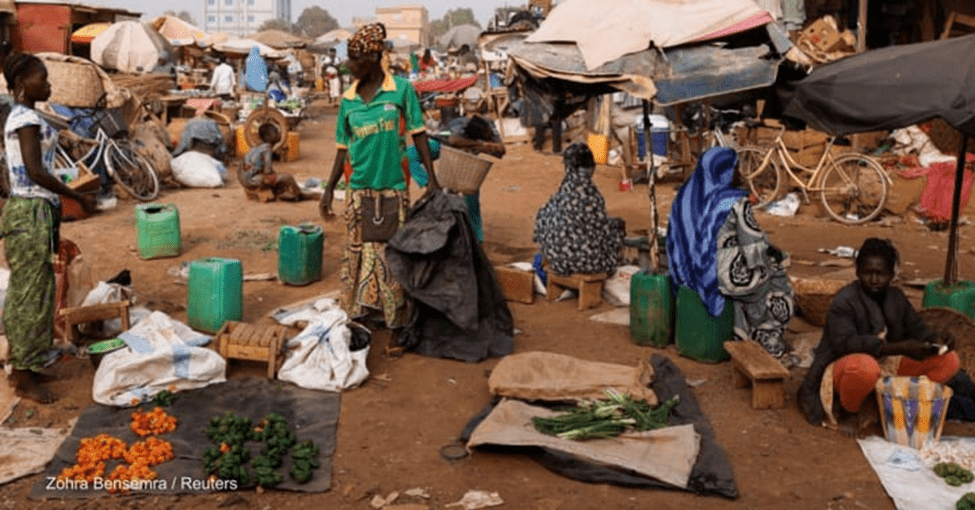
(951, 263)
(862, 26)
(651, 191)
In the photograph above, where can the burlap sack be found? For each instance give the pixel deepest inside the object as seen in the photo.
(553, 377)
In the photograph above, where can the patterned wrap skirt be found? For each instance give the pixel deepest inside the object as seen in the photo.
(30, 230)
(368, 284)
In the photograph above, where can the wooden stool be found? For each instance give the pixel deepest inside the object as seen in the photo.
(239, 340)
(590, 287)
(260, 194)
(84, 314)
(753, 364)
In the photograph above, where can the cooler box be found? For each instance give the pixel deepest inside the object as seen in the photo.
(659, 133)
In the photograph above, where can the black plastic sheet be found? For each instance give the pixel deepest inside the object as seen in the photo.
(311, 414)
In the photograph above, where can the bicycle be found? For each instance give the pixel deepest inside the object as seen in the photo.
(853, 187)
(122, 163)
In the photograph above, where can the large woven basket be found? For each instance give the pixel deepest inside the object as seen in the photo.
(959, 326)
(75, 85)
(461, 172)
(813, 298)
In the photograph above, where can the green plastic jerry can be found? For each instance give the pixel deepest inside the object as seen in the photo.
(215, 293)
(699, 335)
(300, 254)
(651, 309)
(158, 230)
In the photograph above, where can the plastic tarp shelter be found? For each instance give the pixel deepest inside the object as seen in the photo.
(179, 32)
(605, 30)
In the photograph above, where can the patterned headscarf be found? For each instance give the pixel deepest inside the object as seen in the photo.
(369, 39)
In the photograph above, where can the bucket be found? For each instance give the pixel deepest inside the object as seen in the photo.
(300, 254)
(158, 230)
(651, 309)
(599, 145)
(659, 132)
(698, 334)
(215, 293)
(912, 409)
(960, 296)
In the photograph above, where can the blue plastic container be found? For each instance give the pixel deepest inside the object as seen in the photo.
(300, 254)
(215, 293)
(659, 132)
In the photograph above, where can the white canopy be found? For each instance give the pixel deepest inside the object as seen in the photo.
(605, 30)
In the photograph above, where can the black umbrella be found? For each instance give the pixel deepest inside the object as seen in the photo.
(894, 87)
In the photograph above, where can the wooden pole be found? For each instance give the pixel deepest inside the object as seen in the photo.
(951, 264)
(651, 191)
(862, 26)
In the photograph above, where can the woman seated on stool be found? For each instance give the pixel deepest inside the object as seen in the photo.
(572, 228)
(255, 169)
(715, 247)
(871, 330)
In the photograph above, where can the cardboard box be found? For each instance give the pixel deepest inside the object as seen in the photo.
(824, 35)
(516, 285)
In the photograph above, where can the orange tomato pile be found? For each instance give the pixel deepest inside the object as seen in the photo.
(152, 423)
(93, 452)
(150, 452)
(91, 456)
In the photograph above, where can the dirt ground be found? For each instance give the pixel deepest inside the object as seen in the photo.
(391, 429)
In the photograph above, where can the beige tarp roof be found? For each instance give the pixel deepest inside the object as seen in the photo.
(279, 39)
(605, 30)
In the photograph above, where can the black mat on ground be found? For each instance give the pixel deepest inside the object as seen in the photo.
(711, 476)
(311, 414)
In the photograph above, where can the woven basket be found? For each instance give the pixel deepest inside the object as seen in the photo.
(461, 172)
(75, 85)
(814, 296)
(959, 326)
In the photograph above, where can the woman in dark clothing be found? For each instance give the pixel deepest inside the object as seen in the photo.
(871, 330)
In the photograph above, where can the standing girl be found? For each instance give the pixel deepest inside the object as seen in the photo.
(31, 218)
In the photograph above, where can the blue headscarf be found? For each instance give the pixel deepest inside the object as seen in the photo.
(696, 216)
(256, 71)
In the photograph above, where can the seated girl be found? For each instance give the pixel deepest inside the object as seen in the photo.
(256, 173)
(715, 246)
(871, 330)
(572, 228)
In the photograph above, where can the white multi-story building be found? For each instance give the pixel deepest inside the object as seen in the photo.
(242, 17)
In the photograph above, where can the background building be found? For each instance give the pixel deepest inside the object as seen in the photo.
(242, 17)
(409, 21)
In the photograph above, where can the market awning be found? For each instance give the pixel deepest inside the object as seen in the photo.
(444, 86)
(668, 76)
(85, 34)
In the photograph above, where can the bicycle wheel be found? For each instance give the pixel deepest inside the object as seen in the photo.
(132, 172)
(854, 189)
(763, 182)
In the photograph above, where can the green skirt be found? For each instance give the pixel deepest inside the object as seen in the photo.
(29, 227)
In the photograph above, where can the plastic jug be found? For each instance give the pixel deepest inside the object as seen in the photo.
(215, 293)
(960, 296)
(599, 145)
(300, 254)
(651, 309)
(158, 230)
(698, 334)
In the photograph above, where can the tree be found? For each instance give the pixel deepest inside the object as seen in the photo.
(275, 24)
(315, 21)
(183, 15)
(452, 18)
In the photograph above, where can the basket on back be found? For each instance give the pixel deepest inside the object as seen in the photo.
(460, 171)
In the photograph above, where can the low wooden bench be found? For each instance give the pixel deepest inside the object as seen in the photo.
(590, 287)
(77, 315)
(752, 364)
(255, 342)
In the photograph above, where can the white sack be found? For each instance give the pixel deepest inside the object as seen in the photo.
(160, 353)
(319, 357)
(197, 170)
